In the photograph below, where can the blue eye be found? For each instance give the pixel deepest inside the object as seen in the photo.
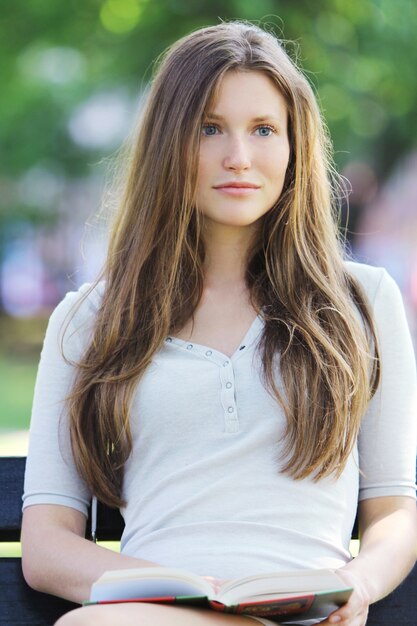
(209, 129)
(269, 130)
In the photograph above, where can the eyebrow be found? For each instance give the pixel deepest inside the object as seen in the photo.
(259, 118)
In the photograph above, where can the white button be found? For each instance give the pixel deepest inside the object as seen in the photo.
(190, 346)
(230, 409)
(228, 385)
(225, 363)
(169, 339)
(209, 353)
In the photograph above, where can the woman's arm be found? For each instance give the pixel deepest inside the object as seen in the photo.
(57, 559)
(388, 551)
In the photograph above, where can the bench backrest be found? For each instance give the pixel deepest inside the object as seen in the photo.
(20, 605)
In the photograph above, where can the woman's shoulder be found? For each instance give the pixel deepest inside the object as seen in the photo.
(71, 323)
(372, 279)
(87, 297)
(83, 302)
(77, 312)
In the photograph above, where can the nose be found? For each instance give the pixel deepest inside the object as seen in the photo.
(237, 156)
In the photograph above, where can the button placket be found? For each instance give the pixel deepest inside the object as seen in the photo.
(225, 366)
(228, 399)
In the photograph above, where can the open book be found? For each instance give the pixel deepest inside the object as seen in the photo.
(307, 593)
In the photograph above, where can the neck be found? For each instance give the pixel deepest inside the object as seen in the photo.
(226, 248)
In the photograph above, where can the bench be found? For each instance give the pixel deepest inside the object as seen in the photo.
(20, 605)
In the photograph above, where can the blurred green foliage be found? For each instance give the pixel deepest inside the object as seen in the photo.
(360, 54)
(20, 344)
(17, 379)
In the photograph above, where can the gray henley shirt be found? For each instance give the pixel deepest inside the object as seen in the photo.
(202, 485)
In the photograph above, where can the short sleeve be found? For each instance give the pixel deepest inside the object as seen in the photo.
(388, 435)
(51, 476)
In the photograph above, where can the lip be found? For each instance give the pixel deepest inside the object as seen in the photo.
(237, 185)
(237, 188)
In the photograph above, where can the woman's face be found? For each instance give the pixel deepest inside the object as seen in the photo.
(244, 150)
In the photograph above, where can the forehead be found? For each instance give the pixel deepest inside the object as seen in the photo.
(246, 89)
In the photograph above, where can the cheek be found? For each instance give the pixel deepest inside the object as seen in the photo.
(275, 177)
(277, 165)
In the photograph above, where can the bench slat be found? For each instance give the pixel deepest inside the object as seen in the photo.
(20, 605)
(110, 523)
(12, 471)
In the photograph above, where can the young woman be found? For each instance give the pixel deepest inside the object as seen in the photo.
(234, 384)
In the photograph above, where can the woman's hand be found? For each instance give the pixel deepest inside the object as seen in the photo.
(355, 611)
(388, 534)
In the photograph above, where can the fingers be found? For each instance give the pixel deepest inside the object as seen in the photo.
(354, 614)
(355, 611)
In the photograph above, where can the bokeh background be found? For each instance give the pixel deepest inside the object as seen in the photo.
(72, 76)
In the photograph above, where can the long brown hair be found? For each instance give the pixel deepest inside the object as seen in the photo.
(317, 320)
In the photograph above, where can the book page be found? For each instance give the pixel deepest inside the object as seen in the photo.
(149, 582)
(281, 584)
